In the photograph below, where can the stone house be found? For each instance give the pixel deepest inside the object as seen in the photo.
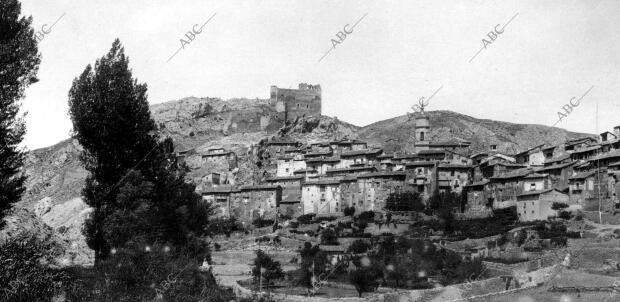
(219, 160)
(505, 187)
(452, 177)
(359, 158)
(531, 157)
(321, 197)
(253, 201)
(558, 174)
(421, 175)
(374, 188)
(287, 165)
(220, 197)
(536, 205)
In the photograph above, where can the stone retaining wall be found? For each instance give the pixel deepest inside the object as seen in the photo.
(459, 292)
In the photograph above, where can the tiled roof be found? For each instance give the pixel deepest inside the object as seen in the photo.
(519, 173)
(281, 178)
(382, 174)
(588, 149)
(352, 169)
(537, 175)
(259, 187)
(612, 154)
(304, 170)
(583, 175)
(318, 153)
(452, 142)
(554, 167)
(431, 151)
(405, 156)
(454, 166)
(530, 149)
(420, 163)
(538, 192)
(220, 189)
(557, 159)
(322, 182)
(478, 183)
(361, 152)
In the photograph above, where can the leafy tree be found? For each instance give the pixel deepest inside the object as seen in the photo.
(272, 269)
(19, 63)
(135, 185)
(367, 216)
(366, 277)
(404, 201)
(444, 200)
(402, 268)
(329, 237)
(349, 211)
(313, 264)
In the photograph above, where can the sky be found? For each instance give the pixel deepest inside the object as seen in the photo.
(544, 54)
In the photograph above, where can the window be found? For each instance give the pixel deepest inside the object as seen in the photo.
(421, 136)
(297, 105)
(451, 173)
(306, 106)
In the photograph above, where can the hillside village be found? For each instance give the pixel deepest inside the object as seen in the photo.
(281, 175)
(326, 177)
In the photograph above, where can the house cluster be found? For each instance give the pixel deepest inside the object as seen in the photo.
(326, 177)
(580, 173)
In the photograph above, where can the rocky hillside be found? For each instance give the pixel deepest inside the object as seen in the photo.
(397, 133)
(52, 204)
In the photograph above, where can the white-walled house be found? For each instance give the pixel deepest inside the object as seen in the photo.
(321, 197)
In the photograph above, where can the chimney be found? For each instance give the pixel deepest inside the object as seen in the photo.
(617, 132)
(603, 136)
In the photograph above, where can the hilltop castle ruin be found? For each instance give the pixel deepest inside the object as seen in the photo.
(293, 103)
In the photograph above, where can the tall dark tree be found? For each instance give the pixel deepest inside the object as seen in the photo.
(19, 63)
(136, 186)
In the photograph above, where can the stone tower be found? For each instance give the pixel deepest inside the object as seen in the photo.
(293, 103)
(422, 132)
(422, 127)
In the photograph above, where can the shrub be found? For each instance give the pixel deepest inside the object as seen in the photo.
(349, 211)
(565, 215)
(360, 226)
(358, 247)
(558, 206)
(25, 274)
(329, 237)
(367, 216)
(272, 269)
(306, 218)
(225, 226)
(260, 222)
(145, 273)
(405, 201)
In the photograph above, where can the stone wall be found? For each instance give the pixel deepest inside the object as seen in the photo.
(459, 292)
(293, 103)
